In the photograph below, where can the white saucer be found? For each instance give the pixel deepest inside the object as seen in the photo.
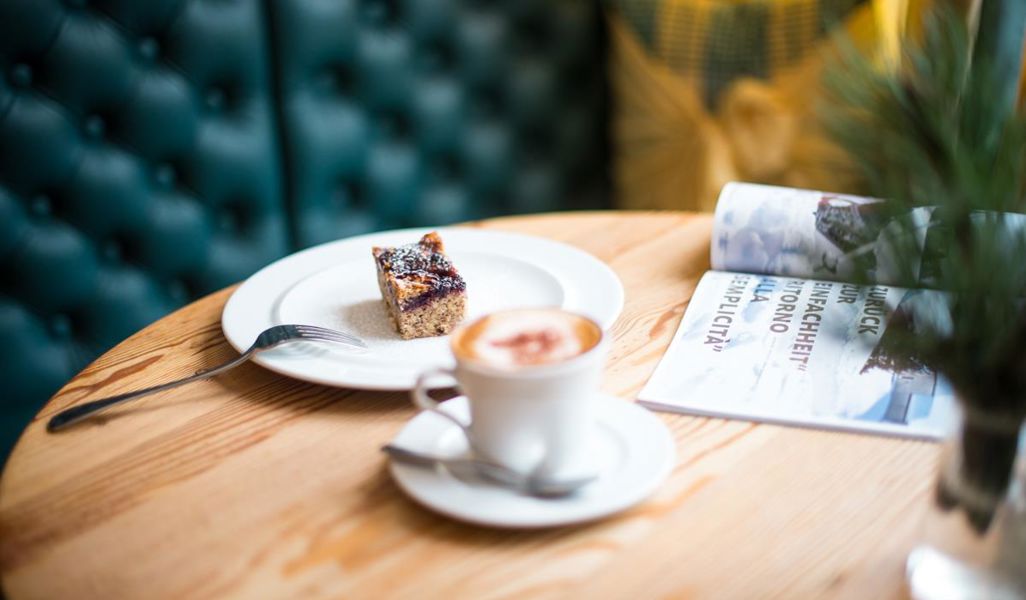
(632, 446)
(335, 285)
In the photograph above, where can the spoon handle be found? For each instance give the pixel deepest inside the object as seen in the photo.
(410, 457)
(427, 460)
(472, 466)
(535, 486)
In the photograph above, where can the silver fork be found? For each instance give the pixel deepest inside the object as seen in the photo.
(268, 338)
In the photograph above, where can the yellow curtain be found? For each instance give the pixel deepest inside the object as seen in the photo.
(676, 144)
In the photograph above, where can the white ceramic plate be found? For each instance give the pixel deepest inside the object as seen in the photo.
(632, 446)
(335, 285)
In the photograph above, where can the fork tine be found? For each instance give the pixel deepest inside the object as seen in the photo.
(351, 342)
(328, 336)
(319, 333)
(314, 330)
(312, 327)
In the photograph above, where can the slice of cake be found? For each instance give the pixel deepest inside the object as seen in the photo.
(424, 294)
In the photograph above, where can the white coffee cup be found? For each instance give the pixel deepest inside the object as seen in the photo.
(533, 417)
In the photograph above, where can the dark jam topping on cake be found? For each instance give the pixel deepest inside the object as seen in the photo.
(423, 265)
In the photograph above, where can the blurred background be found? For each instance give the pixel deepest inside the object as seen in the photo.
(154, 152)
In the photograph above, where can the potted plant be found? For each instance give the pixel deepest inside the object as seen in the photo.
(942, 132)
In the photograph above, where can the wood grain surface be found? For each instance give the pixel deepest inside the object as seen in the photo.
(254, 485)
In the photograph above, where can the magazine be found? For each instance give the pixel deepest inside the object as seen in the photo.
(778, 332)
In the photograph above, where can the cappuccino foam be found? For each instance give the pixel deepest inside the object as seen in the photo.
(526, 337)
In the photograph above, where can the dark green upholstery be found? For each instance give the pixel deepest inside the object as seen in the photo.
(154, 151)
(434, 111)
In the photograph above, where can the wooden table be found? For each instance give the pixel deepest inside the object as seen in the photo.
(256, 485)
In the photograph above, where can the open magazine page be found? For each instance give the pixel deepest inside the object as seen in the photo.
(798, 351)
(805, 233)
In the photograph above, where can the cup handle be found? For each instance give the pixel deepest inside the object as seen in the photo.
(424, 402)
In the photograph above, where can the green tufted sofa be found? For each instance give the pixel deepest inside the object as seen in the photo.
(152, 151)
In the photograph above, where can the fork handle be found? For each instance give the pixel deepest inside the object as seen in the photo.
(70, 416)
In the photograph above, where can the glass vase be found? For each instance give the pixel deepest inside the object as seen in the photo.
(973, 541)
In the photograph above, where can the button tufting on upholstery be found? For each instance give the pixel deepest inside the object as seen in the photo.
(149, 48)
(228, 219)
(95, 126)
(21, 75)
(216, 98)
(354, 116)
(334, 79)
(113, 250)
(340, 197)
(482, 42)
(436, 58)
(178, 291)
(393, 126)
(60, 326)
(446, 168)
(354, 195)
(445, 203)
(486, 105)
(377, 12)
(326, 81)
(384, 64)
(165, 175)
(41, 205)
(533, 90)
(487, 153)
